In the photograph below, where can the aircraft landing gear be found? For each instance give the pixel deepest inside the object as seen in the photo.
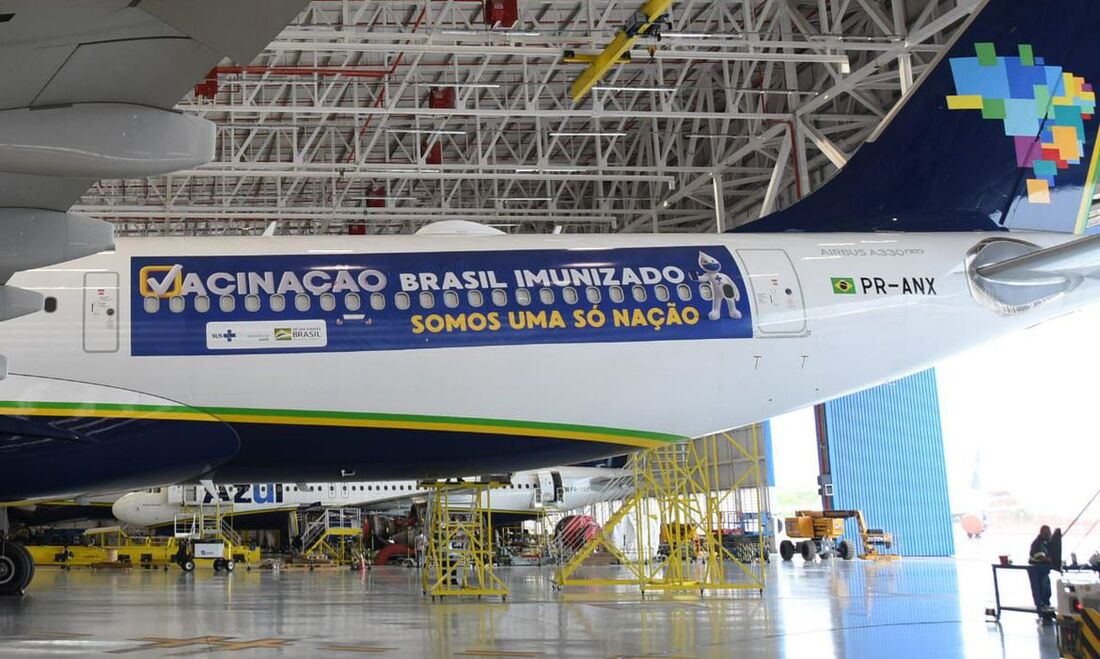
(16, 568)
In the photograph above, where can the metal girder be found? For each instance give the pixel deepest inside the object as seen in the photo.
(333, 118)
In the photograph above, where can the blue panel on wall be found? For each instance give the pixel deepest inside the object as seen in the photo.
(887, 459)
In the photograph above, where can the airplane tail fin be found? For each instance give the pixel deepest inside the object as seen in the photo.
(1001, 132)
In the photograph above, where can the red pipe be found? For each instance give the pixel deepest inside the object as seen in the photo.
(381, 94)
(794, 153)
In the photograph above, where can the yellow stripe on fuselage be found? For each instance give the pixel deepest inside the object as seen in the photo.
(337, 422)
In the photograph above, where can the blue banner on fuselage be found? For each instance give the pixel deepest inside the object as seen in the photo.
(203, 305)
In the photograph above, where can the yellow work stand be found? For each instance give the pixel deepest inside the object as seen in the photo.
(459, 556)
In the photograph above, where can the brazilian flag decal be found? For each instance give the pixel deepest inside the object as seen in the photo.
(844, 286)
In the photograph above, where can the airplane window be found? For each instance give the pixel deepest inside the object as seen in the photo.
(377, 301)
(202, 304)
(277, 302)
(638, 292)
(226, 303)
(500, 298)
(386, 487)
(352, 302)
(546, 296)
(593, 294)
(252, 303)
(301, 302)
(475, 298)
(450, 299)
(683, 291)
(616, 294)
(427, 300)
(523, 297)
(660, 291)
(151, 304)
(401, 301)
(328, 302)
(705, 292)
(569, 294)
(176, 304)
(50, 305)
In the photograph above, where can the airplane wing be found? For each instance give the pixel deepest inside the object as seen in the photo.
(397, 503)
(86, 91)
(145, 53)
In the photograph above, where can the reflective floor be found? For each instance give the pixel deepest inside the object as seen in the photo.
(914, 608)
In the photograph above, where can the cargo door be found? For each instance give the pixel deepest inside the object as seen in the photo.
(779, 309)
(544, 489)
(190, 495)
(559, 487)
(175, 494)
(101, 317)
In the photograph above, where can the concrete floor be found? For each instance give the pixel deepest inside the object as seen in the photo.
(914, 608)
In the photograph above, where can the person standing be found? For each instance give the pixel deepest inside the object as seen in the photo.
(1038, 571)
(421, 548)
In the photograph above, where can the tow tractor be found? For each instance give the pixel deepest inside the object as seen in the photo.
(821, 533)
(1078, 614)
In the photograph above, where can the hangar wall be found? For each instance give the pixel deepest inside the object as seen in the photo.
(886, 457)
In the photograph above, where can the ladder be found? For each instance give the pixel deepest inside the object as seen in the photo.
(460, 554)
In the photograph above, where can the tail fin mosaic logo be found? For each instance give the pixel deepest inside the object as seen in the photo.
(1043, 109)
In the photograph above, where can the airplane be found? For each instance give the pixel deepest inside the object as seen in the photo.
(526, 493)
(134, 362)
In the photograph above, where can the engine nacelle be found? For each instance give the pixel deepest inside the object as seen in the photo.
(102, 140)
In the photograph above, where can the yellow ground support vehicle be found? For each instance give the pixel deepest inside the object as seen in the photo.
(114, 545)
(110, 544)
(821, 533)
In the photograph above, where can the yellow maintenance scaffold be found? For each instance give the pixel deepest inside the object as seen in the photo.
(687, 490)
(459, 552)
(206, 532)
(332, 534)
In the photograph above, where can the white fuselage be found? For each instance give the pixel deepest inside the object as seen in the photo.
(823, 315)
(525, 493)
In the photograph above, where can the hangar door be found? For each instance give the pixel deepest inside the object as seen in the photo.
(886, 457)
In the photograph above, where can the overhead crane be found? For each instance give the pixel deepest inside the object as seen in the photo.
(649, 16)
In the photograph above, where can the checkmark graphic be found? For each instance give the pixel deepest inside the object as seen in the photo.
(161, 288)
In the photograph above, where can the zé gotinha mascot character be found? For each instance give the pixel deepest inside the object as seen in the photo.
(722, 288)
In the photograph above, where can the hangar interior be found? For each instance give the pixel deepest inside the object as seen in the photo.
(861, 525)
(386, 116)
